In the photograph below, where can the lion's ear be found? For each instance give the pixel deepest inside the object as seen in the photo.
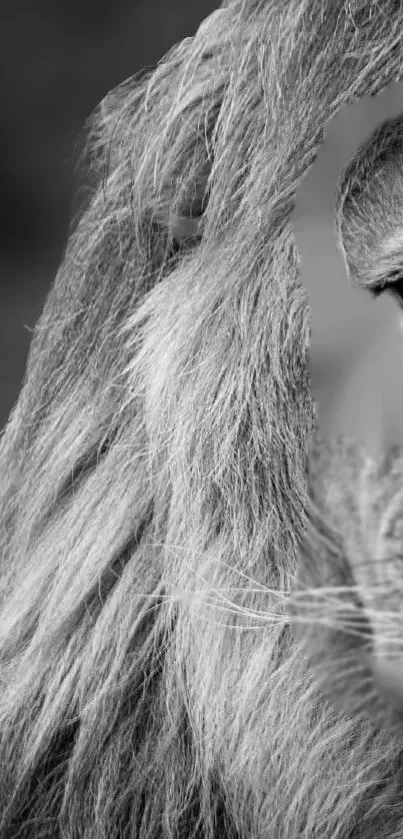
(181, 228)
(182, 209)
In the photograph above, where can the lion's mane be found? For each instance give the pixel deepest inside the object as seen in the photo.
(153, 485)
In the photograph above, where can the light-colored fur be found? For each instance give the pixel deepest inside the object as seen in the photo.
(153, 471)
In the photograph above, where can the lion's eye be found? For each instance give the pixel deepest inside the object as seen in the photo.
(396, 288)
(393, 286)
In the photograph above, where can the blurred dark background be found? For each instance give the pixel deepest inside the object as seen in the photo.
(58, 58)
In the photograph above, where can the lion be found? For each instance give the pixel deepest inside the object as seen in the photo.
(166, 523)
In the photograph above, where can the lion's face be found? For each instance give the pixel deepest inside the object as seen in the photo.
(346, 600)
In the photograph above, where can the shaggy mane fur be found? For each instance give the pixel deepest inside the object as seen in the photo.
(153, 471)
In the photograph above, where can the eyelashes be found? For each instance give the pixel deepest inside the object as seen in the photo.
(393, 286)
